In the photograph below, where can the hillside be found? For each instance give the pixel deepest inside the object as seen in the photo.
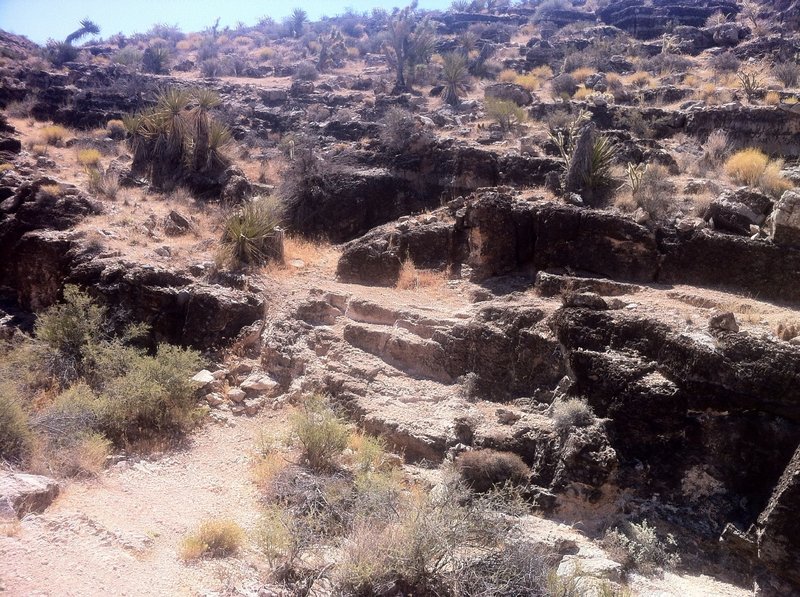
(500, 300)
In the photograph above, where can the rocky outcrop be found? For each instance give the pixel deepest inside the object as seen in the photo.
(736, 211)
(21, 494)
(648, 22)
(493, 234)
(784, 222)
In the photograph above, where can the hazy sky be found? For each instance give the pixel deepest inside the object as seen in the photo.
(42, 19)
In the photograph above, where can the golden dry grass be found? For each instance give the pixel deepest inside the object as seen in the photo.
(412, 278)
(88, 158)
(216, 538)
(773, 98)
(746, 166)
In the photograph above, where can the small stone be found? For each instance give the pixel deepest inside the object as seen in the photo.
(254, 405)
(236, 395)
(507, 417)
(257, 382)
(586, 300)
(220, 374)
(723, 321)
(214, 399)
(238, 409)
(204, 377)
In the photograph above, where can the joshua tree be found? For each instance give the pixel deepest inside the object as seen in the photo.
(60, 52)
(87, 28)
(297, 20)
(410, 43)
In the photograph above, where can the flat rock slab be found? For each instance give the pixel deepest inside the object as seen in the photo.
(21, 493)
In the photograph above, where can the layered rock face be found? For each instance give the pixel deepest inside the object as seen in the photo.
(493, 234)
(647, 22)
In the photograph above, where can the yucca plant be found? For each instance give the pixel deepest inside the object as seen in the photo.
(604, 152)
(251, 235)
(178, 137)
(634, 174)
(455, 74)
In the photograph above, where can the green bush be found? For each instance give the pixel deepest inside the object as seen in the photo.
(15, 431)
(505, 113)
(154, 395)
(321, 433)
(640, 547)
(250, 235)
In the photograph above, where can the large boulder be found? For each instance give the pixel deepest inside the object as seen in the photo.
(21, 494)
(735, 211)
(784, 222)
(510, 92)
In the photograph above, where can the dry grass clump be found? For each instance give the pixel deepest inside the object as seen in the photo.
(580, 74)
(484, 469)
(412, 278)
(571, 412)
(715, 149)
(752, 167)
(52, 135)
(651, 190)
(214, 538)
(772, 98)
(105, 184)
(641, 80)
(88, 158)
(788, 330)
(16, 436)
(507, 75)
(788, 73)
(116, 129)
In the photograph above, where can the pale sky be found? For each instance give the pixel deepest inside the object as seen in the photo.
(42, 19)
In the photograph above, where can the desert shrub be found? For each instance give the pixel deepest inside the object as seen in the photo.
(213, 67)
(752, 167)
(88, 158)
(129, 56)
(60, 52)
(751, 83)
(505, 113)
(15, 432)
(667, 63)
(746, 166)
(715, 148)
(641, 79)
(788, 73)
(518, 568)
(655, 193)
(215, 538)
(639, 546)
(401, 131)
(155, 60)
(277, 534)
(571, 412)
(772, 98)
(306, 71)
(79, 455)
(563, 86)
(251, 234)
(67, 334)
(507, 75)
(153, 395)
(105, 184)
(413, 278)
(116, 129)
(52, 135)
(484, 469)
(725, 62)
(322, 435)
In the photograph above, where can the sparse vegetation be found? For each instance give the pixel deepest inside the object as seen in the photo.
(215, 538)
(639, 546)
(752, 167)
(251, 234)
(788, 73)
(321, 434)
(484, 469)
(505, 113)
(571, 412)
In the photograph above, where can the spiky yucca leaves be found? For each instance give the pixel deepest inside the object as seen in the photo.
(87, 28)
(455, 74)
(178, 137)
(604, 152)
(250, 235)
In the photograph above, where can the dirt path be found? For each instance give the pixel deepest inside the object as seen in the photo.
(121, 533)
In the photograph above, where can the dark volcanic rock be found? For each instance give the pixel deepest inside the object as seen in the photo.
(735, 211)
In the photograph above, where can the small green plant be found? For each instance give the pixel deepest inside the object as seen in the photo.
(633, 175)
(251, 235)
(215, 538)
(455, 75)
(505, 113)
(15, 432)
(322, 435)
